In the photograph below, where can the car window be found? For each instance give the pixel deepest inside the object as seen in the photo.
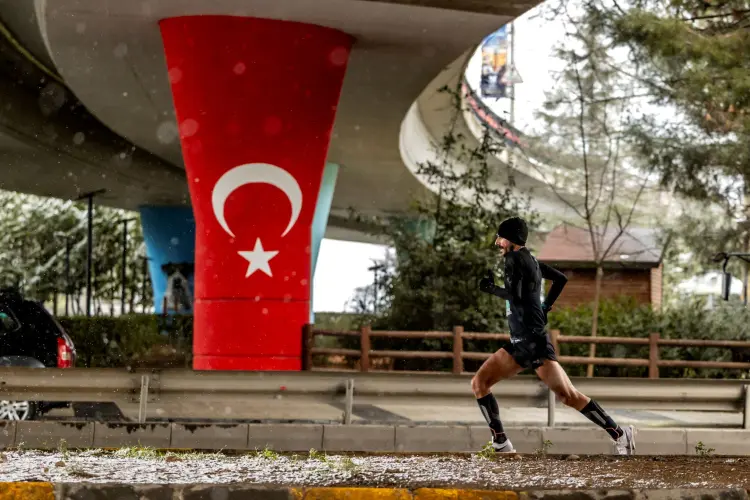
(8, 321)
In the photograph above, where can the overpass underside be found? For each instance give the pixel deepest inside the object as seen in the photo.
(207, 116)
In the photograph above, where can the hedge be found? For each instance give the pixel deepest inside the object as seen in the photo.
(131, 340)
(155, 341)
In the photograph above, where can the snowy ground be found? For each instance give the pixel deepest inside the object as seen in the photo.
(316, 469)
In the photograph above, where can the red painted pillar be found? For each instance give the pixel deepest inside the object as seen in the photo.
(255, 101)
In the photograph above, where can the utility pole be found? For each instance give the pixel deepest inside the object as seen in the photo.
(67, 277)
(124, 277)
(375, 269)
(144, 283)
(90, 244)
(512, 71)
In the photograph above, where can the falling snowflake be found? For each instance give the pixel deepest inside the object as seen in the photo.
(175, 75)
(166, 132)
(188, 128)
(239, 68)
(121, 50)
(339, 56)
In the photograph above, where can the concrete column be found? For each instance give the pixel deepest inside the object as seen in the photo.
(255, 101)
(320, 220)
(169, 234)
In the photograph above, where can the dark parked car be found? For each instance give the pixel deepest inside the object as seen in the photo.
(30, 337)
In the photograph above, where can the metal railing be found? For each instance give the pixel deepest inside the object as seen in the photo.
(186, 386)
(654, 342)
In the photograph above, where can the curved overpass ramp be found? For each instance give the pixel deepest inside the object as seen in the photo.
(109, 57)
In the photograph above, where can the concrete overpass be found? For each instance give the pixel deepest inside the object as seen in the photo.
(108, 118)
(92, 102)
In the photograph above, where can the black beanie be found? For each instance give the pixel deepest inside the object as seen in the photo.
(514, 230)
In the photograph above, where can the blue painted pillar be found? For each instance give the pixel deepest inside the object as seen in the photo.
(320, 220)
(169, 234)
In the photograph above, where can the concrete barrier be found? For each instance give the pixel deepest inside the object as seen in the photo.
(362, 438)
(86, 491)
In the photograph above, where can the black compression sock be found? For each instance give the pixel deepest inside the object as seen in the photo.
(596, 414)
(491, 412)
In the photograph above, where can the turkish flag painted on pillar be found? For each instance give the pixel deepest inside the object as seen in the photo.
(255, 101)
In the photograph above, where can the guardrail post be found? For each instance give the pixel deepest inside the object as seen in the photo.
(364, 349)
(653, 355)
(550, 408)
(349, 401)
(308, 336)
(143, 402)
(746, 416)
(458, 350)
(554, 337)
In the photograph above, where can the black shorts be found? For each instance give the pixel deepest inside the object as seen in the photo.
(531, 353)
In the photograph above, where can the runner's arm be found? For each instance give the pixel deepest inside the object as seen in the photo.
(558, 283)
(487, 285)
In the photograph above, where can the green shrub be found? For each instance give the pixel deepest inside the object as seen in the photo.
(114, 342)
(144, 339)
(689, 320)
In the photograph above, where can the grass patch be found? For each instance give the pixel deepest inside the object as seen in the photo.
(318, 455)
(487, 452)
(268, 454)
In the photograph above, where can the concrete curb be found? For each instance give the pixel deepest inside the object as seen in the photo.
(85, 491)
(48, 435)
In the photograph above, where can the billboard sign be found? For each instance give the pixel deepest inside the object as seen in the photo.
(495, 79)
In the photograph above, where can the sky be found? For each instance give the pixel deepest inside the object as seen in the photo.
(342, 266)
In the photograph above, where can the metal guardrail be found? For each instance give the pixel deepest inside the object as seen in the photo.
(104, 385)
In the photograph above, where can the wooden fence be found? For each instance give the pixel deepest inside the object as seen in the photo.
(458, 355)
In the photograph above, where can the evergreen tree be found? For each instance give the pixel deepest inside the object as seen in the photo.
(689, 61)
(37, 233)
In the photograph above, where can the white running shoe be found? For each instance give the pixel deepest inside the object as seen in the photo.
(625, 445)
(505, 447)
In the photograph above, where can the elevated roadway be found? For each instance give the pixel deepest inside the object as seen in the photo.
(92, 106)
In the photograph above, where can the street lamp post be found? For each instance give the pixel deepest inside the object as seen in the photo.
(726, 256)
(144, 283)
(124, 277)
(90, 244)
(67, 277)
(375, 269)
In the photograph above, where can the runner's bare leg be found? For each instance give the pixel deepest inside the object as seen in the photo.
(499, 366)
(553, 375)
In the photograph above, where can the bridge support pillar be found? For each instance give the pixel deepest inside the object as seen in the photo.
(169, 234)
(255, 101)
(320, 220)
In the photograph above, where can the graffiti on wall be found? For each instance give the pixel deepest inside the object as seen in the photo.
(179, 295)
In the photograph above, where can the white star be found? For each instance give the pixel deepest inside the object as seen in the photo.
(258, 259)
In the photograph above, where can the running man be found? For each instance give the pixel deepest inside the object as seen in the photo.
(530, 345)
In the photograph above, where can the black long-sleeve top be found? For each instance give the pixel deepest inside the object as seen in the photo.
(523, 286)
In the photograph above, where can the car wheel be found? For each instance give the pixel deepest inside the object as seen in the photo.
(17, 410)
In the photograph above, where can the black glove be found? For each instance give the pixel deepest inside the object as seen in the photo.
(487, 284)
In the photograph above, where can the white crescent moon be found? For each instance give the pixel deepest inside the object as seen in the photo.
(256, 173)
